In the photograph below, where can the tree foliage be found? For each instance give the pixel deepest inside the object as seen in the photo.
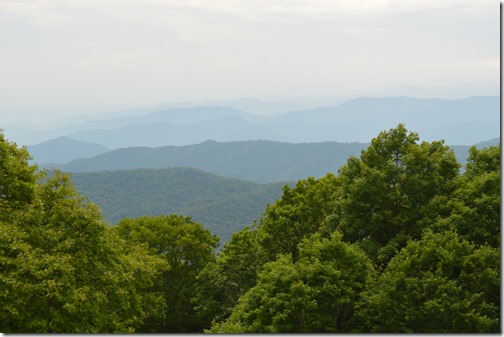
(62, 272)
(186, 247)
(475, 205)
(301, 212)
(222, 282)
(314, 294)
(17, 177)
(387, 193)
(440, 283)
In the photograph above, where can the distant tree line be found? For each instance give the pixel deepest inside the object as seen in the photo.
(398, 241)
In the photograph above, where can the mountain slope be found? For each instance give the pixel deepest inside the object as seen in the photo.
(222, 205)
(457, 121)
(64, 149)
(162, 133)
(258, 161)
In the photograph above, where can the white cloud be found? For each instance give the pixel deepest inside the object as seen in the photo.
(156, 50)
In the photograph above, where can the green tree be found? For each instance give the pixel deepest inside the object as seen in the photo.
(186, 247)
(301, 212)
(314, 294)
(387, 193)
(17, 177)
(60, 269)
(221, 283)
(475, 205)
(62, 272)
(440, 283)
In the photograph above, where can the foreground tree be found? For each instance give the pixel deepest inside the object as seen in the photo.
(387, 193)
(475, 205)
(301, 212)
(186, 247)
(60, 269)
(439, 284)
(315, 294)
(62, 272)
(17, 177)
(222, 282)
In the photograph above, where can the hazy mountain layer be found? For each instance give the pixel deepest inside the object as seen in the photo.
(258, 161)
(458, 121)
(64, 149)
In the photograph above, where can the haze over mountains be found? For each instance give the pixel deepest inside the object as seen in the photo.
(458, 121)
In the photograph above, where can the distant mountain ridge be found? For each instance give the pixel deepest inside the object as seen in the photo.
(458, 121)
(64, 149)
(153, 134)
(258, 161)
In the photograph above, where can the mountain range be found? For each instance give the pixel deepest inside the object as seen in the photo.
(463, 121)
(259, 161)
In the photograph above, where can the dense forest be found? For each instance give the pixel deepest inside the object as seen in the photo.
(223, 205)
(259, 161)
(399, 240)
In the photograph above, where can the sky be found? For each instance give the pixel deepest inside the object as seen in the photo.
(61, 58)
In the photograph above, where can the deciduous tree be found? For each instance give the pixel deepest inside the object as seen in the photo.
(440, 283)
(187, 247)
(387, 192)
(316, 293)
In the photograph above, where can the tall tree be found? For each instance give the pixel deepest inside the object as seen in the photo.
(187, 247)
(475, 205)
(440, 283)
(222, 282)
(387, 193)
(301, 212)
(60, 270)
(316, 293)
(17, 178)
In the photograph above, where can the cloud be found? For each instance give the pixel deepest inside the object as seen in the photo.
(157, 50)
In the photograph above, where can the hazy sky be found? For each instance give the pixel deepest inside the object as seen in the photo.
(80, 56)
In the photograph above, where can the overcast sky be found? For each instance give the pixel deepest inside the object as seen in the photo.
(85, 56)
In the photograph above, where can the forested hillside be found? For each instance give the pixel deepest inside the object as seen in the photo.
(259, 161)
(222, 205)
(397, 240)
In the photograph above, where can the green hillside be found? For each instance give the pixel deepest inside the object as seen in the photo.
(222, 205)
(259, 161)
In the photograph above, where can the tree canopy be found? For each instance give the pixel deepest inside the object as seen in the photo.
(388, 191)
(186, 247)
(316, 293)
(440, 283)
(63, 272)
